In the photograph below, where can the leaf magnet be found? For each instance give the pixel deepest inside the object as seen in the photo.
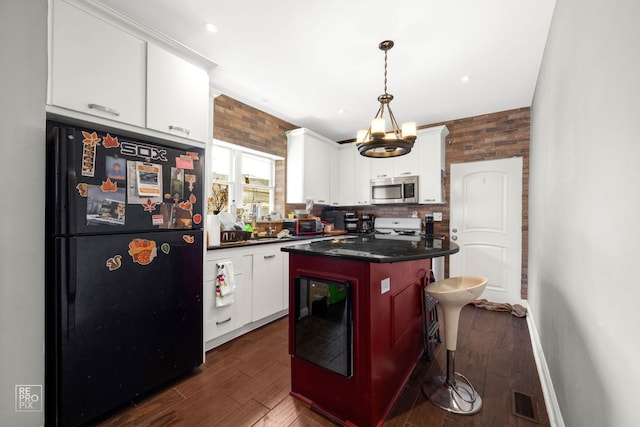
(83, 189)
(91, 139)
(114, 263)
(149, 205)
(188, 239)
(185, 205)
(197, 218)
(142, 251)
(109, 186)
(192, 198)
(165, 248)
(110, 142)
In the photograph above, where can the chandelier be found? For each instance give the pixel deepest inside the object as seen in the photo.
(376, 141)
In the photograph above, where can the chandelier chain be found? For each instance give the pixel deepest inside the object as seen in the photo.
(385, 72)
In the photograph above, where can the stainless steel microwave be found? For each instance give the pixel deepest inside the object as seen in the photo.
(394, 190)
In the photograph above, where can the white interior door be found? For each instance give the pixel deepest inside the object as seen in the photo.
(486, 221)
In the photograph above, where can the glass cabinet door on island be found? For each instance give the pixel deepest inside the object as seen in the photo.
(324, 324)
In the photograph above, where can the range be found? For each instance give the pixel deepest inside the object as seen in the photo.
(397, 229)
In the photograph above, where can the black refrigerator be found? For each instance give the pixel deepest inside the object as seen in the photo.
(124, 260)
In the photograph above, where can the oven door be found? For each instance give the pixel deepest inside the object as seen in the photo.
(324, 324)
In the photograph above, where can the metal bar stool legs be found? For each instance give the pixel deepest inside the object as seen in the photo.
(454, 393)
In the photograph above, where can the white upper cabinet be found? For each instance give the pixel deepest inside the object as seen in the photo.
(176, 105)
(309, 157)
(95, 67)
(389, 167)
(354, 173)
(430, 147)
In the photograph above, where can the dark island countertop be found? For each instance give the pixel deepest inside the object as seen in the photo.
(376, 248)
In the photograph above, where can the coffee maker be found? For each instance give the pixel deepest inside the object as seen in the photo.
(366, 225)
(350, 222)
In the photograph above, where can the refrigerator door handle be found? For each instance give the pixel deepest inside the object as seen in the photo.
(71, 284)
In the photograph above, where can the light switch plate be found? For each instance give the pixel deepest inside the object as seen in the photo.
(437, 216)
(385, 285)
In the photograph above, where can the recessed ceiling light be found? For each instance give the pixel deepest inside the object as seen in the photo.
(465, 79)
(210, 26)
(341, 111)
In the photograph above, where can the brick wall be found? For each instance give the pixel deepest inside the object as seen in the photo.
(490, 136)
(240, 124)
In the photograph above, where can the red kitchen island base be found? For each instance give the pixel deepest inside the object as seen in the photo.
(376, 321)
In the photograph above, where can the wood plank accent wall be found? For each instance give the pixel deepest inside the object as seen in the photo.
(485, 137)
(240, 124)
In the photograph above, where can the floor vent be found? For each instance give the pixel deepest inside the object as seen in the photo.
(523, 406)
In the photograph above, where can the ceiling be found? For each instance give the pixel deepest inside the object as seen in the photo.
(317, 64)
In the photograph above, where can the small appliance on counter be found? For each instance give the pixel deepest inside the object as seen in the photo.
(367, 223)
(334, 217)
(301, 226)
(350, 222)
(428, 225)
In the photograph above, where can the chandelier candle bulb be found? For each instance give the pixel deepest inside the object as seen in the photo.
(409, 129)
(377, 126)
(362, 135)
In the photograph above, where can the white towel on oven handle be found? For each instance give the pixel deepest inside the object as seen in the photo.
(225, 281)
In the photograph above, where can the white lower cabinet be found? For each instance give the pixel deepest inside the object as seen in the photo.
(268, 280)
(261, 275)
(224, 319)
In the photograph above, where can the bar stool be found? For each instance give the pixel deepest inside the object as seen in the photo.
(449, 393)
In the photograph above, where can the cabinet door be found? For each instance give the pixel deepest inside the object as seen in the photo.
(177, 95)
(95, 67)
(268, 288)
(431, 150)
(334, 176)
(347, 175)
(408, 164)
(224, 319)
(381, 168)
(316, 173)
(362, 180)
(309, 158)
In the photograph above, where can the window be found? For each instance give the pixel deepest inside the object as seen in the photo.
(257, 188)
(244, 179)
(221, 185)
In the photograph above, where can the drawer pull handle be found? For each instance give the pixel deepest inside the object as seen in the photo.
(105, 109)
(220, 322)
(179, 129)
(269, 256)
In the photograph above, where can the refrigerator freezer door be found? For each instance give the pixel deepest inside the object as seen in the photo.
(102, 183)
(130, 314)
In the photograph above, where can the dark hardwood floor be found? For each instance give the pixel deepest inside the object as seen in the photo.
(246, 383)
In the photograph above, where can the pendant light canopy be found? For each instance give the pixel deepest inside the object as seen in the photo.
(376, 141)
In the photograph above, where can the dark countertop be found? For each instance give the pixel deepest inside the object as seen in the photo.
(266, 240)
(375, 248)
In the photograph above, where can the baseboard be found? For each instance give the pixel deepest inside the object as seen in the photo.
(550, 398)
(218, 341)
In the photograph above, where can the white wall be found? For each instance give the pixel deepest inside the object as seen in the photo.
(23, 78)
(584, 210)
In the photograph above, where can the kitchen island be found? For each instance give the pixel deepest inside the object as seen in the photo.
(355, 323)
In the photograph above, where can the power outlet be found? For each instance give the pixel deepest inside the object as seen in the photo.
(437, 216)
(385, 285)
